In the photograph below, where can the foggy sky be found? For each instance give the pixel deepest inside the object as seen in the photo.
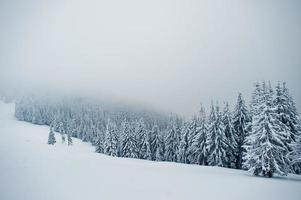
(166, 53)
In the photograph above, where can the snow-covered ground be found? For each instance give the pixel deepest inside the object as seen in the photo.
(32, 170)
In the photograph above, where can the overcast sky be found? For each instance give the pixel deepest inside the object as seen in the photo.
(166, 53)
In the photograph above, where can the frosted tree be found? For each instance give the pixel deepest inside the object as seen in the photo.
(287, 114)
(51, 137)
(72, 127)
(265, 146)
(295, 155)
(255, 100)
(198, 147)
(111, 140)
(183, 148)
(171, 142)
(61, 131)
(159, 154)
(142, 139)
(70, 142)
(293, 120)
(145, 151)
(216, 140)
(155, 142)
(193, 129)
(241, 120)
(129, 144)
(230, 135)
(99, 145)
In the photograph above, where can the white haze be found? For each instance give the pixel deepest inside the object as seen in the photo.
(166, 53)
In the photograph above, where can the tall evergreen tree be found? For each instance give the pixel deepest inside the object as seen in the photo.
(111, 142)
(145, 151)
(159, 155)
(241, 119)
(129, 144)
(193, 129)
(183, 148)
(51, 137)
(216, 140)
(295, 156)
(143, 140)
(70, 142)
(266, 149)
(99, 144)
(230, 135)
(171, 142)
(156, 142)
(288, 115)
(198, 147)
(62, 131)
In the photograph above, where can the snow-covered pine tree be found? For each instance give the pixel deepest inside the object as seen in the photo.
(241, 120)
(193, 129)
(145, 151)
(295, 156)
(216, 140)
(182, 154)
(288, 115)
(198, 147)
(51, 137)
(129, 144)
(61, 131)
(145, 146)
(265, 146)
(111, 141)
(230, 135)
(159, 154)
(155, 142)
(293, 120)
(70, 142)
(72, 127)
(142, 139)
(99, 144)
(255, 102)
(100, 140)
(171, 142)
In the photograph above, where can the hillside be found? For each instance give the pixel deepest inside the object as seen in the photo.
(32, 170)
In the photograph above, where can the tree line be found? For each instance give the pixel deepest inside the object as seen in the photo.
(263, 137)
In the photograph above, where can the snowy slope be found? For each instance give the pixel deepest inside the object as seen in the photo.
(32, 170)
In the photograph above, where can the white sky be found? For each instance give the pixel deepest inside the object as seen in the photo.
(166, 53)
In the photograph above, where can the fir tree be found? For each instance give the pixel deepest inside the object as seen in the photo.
(288, 115)
(216, 140)
(266, 149)
(156, 142)
(142, 139)
(198, 147)
(99, 145)
(70, 142)
(159, 154)
(61, 131)
(193, 129)
(241, 119)
(295, 156)
(129, 145)
(111, 141)
(293, 121)
(230, 135)
(171, 142)
(51, 137)
(183, 148)
(145, 151)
